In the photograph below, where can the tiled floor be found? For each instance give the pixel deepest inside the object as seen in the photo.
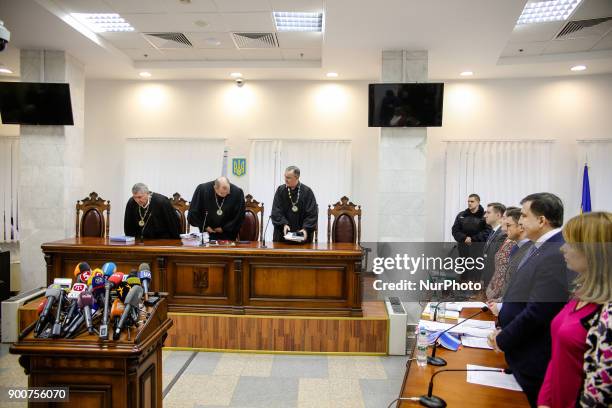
(263, 380)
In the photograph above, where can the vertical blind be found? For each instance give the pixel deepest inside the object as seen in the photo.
(9, 189)
(502, 171)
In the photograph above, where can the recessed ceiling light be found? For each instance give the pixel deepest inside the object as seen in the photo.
(145, 74)
(201, 23)
(236, 75)
(332, 75)
(546, 11)
(103, 22)
(578, 68)
(466, 73)
(290, 21)
(4, 69)
(213, 41)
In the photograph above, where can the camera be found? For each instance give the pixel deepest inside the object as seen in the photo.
(239, 82)
(5, 36)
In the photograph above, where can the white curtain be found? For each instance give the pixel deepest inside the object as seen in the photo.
(9, 183)
(502, 171)
(597, 155)
(325, 167)
(168, 166)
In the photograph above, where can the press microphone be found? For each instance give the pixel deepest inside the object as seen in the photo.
(431, 401)
(85, 301)
(94, 273)
(73, 296)
(109, 268)
(144, 273)
(53, 292)
(116, 313)
(131, 303)
(97, 287)
(263, 238)
(437, 361)
(79, 269)
(113, 281)
(56, 331)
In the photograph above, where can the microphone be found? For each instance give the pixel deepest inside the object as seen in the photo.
(263, 238)
(95, 272)
(435, 315)
(97, 287)
(57, 326)
(109, 268)
(85, 301)
(113, 281)
(79, 269)
(77, 288)
(144, 273)
(431, 401)
(53, 292)
(116, 313)
(131, 303)
(437, 361)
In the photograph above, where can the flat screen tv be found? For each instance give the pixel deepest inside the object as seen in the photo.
(405, 105)
(33, 103)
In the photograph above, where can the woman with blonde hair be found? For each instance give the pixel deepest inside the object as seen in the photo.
(581, 361)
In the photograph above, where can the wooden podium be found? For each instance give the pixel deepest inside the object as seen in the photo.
(122, 373)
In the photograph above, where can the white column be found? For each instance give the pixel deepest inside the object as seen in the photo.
(51, 169)
(402, 153)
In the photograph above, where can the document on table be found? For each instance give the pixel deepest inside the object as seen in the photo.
(475, 342)
(461, 305)
(491, 379)
(478, 324)
(461, 329)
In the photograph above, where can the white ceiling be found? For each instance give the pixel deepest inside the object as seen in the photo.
(476, 35)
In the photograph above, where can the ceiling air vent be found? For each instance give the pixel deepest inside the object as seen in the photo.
(255, 40)
(583, 26)
(168, 40)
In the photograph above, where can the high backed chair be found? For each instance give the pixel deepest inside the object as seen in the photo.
(252, 227)
(344, 228)
(90, 216)
(181, 207)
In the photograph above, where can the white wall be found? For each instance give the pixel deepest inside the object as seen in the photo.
(116, 110)
(562, 109)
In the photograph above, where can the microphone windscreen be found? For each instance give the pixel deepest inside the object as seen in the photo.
(81, 267)
(144, 274)
(133, 298)
(116, 278)
(133, 280)
(53, 291)
(109, 268)
(85, 299)
(41, 306)
(97, 284)
(144, 267)
(117, 309)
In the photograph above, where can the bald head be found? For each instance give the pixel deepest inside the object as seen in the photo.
(222, 186)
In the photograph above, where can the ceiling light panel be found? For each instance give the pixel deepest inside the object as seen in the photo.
(289, 21)
(546, 11)
(104, 22)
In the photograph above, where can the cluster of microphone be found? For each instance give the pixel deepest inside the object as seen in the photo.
(99, 299)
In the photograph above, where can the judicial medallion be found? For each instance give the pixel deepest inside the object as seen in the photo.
(219, 212)
(141, 223)
(294, 208)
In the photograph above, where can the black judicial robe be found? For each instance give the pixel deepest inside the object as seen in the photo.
(161, 220)
(203, 202)
(305, 218)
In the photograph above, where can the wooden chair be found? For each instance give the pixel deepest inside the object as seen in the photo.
(90, 216)
(344, 228)
(252, 227)
(181, 207)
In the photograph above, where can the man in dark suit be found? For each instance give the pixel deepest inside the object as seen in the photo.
(536, 293)
(493, 218)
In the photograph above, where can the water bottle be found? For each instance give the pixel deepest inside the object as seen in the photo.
(421, 348)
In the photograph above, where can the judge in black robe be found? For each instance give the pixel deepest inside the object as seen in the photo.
(211, 198)
(150, 215)
(294, 195)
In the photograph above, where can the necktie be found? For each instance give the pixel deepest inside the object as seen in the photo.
(515, 248)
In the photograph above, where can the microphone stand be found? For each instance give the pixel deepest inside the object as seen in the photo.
(437, 361)
(263, 238)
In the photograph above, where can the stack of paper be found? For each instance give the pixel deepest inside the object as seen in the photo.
(491, 379)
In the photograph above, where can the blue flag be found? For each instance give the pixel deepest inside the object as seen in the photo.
(586, 192)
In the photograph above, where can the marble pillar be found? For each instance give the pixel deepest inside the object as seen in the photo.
(51, 167)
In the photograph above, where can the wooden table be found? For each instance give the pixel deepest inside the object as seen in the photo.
(117, 374)
(453, 386)
(310, 279)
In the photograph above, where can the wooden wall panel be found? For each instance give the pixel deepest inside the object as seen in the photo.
(297, 282)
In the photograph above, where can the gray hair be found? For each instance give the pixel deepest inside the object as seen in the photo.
(140, 188)
(221, 180)
(294, 169)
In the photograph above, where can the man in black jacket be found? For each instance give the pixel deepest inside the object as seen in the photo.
(493, 216)
(469, 229)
